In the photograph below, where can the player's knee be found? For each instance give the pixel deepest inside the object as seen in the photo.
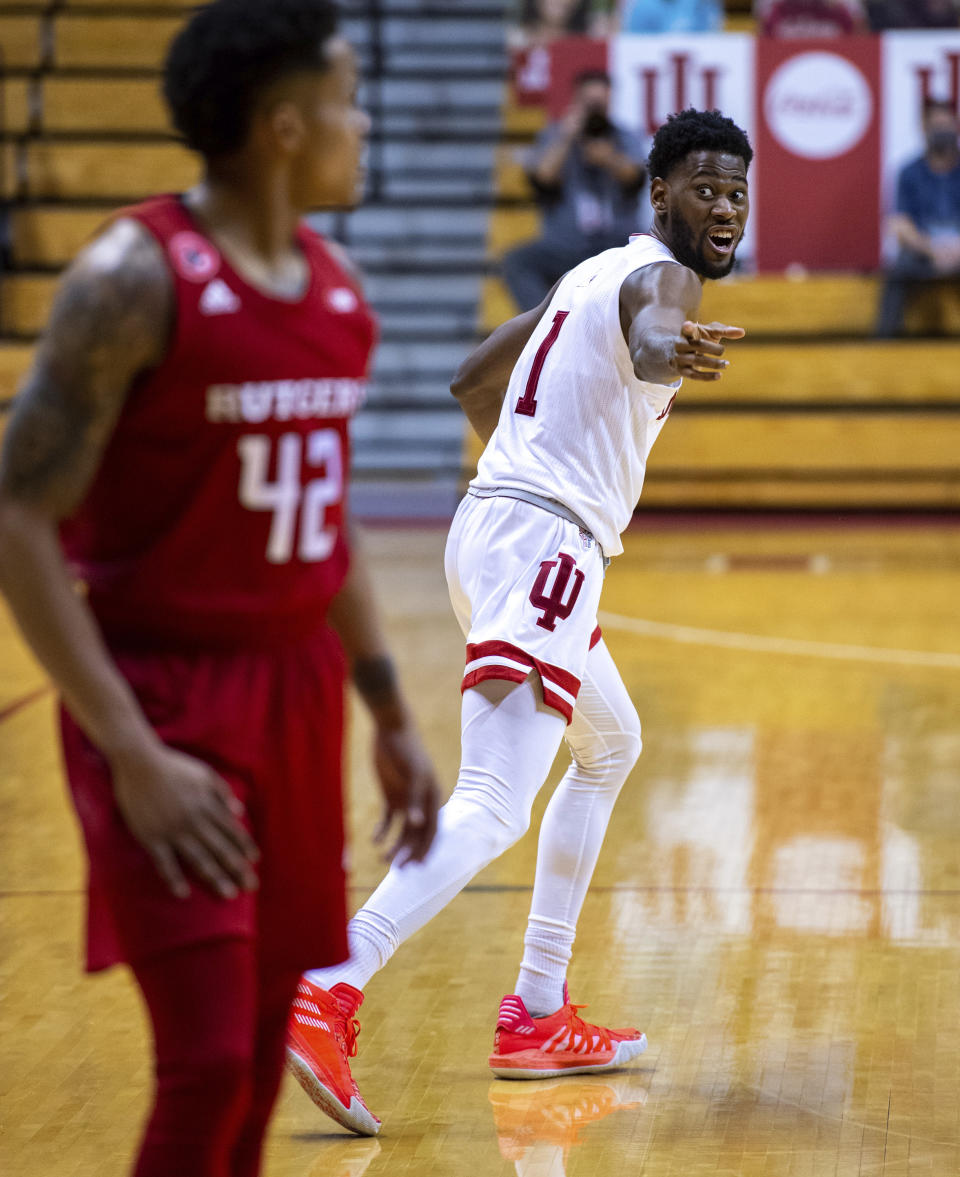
(630, 740)
(485, 811)
(514, 824)
(501, 825)
(616, 753)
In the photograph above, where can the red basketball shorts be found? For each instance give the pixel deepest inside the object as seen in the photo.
(271, 723)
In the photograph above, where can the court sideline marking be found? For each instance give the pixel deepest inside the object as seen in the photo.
(759, 644)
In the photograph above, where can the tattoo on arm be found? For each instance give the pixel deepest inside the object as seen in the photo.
(110, 321)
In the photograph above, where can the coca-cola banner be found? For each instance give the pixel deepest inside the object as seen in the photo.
(831, 120)
(816, 174)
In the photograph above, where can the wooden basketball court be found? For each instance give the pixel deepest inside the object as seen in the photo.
(777, 905)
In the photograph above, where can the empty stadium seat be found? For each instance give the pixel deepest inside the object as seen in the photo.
(45, 236)
(101, 105)
(112, 42)
(21, 41)
(106, 170)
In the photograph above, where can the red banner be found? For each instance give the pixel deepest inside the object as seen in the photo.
(817, 165)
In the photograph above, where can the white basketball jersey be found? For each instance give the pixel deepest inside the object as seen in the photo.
(576, 424)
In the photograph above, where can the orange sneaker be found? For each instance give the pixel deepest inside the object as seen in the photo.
(561, 1043)
(321, 1040)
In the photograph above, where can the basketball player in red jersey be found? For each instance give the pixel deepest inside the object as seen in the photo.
(182, 438)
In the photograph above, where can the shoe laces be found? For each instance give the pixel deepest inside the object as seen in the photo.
(347, 1033)
(346, 1030)
(586, 1029)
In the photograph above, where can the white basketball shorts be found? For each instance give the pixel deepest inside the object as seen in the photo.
(525, 586)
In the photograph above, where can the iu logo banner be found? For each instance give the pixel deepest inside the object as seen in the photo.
(656, 76)
(816, 174)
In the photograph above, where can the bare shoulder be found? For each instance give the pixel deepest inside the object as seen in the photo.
(660, 284)
(110, 321)
(122, 270)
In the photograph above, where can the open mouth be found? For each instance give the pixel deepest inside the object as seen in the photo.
(722, 238)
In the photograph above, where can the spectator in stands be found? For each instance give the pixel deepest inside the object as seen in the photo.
(913, 14)
(926, 223)
(809, 18)
(672, 16)
(587, 174)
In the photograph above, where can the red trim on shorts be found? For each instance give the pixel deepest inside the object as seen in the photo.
(551, 677)
(595, 637)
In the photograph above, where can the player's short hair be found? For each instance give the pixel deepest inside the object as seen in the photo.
(695, 130)
(226, 54)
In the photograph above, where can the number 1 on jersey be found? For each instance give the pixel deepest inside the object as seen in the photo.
(527, 404)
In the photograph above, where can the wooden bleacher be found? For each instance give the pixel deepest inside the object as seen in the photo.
(110, 41)
(813, 413)
(84, 131)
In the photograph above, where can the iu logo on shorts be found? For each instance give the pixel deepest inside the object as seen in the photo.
(558, 603)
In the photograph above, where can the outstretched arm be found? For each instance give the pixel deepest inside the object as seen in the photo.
(407, 781)
(658, 315)
(109, 322)
(481, 380)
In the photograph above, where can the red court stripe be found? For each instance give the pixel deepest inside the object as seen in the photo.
(11, 709)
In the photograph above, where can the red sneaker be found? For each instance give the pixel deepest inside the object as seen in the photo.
(321, 1040)
(561, 1043)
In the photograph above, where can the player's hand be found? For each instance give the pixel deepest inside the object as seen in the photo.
(699, 350)
(185, 816)
(410, 793)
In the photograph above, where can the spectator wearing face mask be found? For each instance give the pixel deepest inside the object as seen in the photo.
(926, 221)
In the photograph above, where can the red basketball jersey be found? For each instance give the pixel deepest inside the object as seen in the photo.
(217, 513)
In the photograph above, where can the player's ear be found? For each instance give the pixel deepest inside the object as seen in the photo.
(658, 195)
(287, 126)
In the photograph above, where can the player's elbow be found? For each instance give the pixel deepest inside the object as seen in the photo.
(644, 370)
(652, 367)
(462, 383)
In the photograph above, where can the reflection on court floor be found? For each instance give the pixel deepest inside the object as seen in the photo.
(777, 905)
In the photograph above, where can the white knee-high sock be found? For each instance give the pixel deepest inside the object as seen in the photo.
(604, 739)
(508, 747)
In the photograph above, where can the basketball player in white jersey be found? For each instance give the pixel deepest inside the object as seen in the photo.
(569, 398)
